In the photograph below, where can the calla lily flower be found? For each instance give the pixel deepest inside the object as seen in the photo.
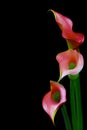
(73, 39)
(54, 99)
(70, 62)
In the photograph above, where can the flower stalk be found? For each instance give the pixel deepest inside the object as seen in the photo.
(76, 103)
(66, 118)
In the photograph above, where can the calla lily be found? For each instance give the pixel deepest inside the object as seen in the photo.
(70, 62)
(54, 99)
(73, 39)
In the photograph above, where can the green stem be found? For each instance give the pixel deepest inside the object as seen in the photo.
(76, 106)
(66, 118)
(79, 104)
(73, 105)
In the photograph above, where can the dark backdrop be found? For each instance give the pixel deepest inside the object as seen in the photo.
(34, 39)
(49, 42)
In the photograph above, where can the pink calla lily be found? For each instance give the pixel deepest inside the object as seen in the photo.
(74, 39)
(67, 58)
(49, 104)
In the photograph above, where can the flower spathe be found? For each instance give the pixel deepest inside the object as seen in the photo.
(49, 104)
(74, 39)
(69, 57)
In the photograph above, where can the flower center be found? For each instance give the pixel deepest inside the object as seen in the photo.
(56, 96)
(72, 65)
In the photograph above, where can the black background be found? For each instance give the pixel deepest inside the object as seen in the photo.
(49, 43)
(34, 39)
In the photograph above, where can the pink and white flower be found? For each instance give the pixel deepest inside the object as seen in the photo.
(69, 58)
(51, 101)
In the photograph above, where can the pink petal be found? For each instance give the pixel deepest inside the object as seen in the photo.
(73, 38)
(66, 24)
(65, 58)
(49, 105)
(63, 22)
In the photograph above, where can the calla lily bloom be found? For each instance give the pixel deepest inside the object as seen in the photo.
(70, 62)
(54, 99)
(73, 39)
